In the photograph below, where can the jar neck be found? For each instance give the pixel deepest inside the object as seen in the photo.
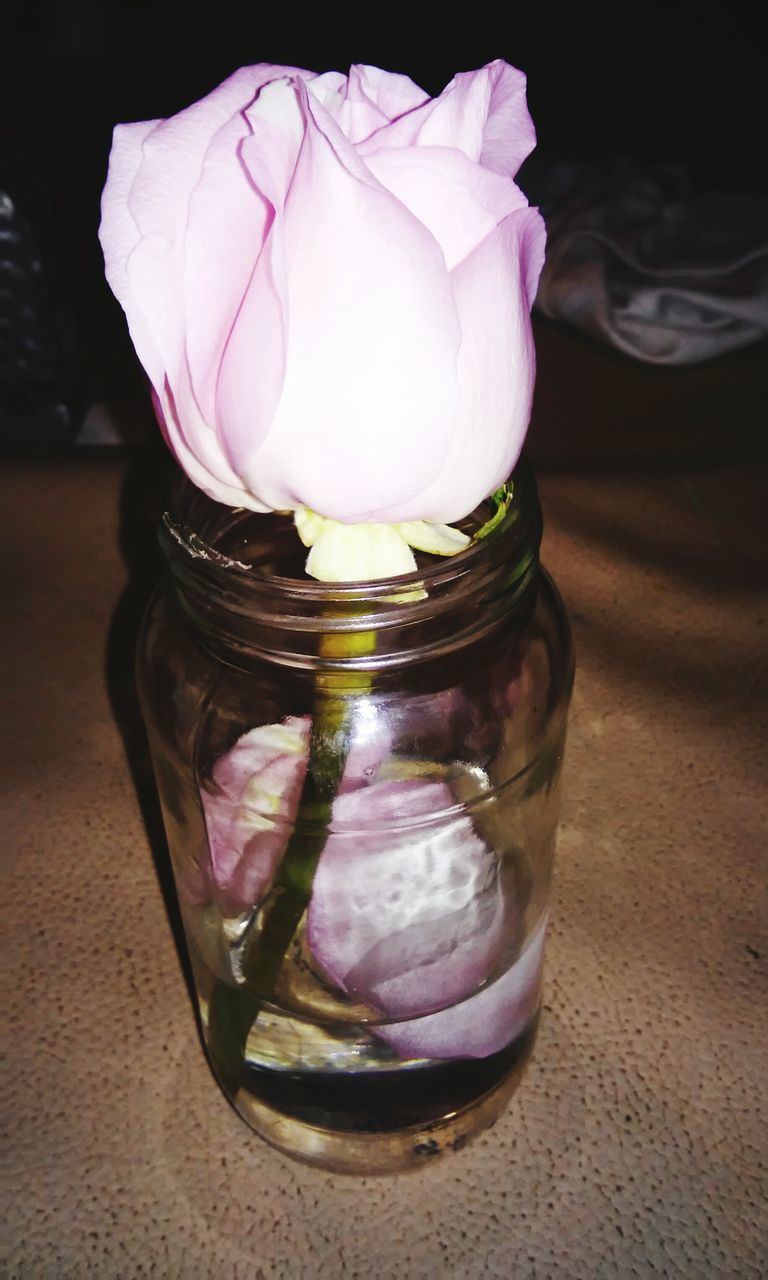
(235, 577)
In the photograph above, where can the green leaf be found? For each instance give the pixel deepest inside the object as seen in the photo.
(502, 500)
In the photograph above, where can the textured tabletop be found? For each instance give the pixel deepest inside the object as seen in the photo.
(637, 1143)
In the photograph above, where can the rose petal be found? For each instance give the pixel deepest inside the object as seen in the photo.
(119, 233)
(257, 787)
(483, 1024)
(147, 206)
(482, 113)
(173, 156)
(460, 202)
(252, 370)
(175, 150)
(393, 94)
(406, 915)
(362, 268)
(227, 211)
(497, 365)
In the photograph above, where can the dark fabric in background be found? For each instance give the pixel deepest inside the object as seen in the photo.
(681, 82)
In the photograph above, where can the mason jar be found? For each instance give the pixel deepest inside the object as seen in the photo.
(360, 791)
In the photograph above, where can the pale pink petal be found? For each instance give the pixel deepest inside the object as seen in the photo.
(148, 205)
(485, 1023)
(330, 90)
(366, 100)
(494, 289)
(118, 232)
(509, 135)
(249, 810)
(482, 113)
(405, 914)
(359, 115)
(363, 270)
(173, 153)
(208, 478)
(173, 156)
(227, 221)
(157, 310)
(393, 94)
(458, 116)
(252, 367)
(459, 201)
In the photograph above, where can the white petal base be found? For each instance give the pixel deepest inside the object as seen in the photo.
(368, 552)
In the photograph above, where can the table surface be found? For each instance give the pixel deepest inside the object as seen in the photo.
(637, 1143)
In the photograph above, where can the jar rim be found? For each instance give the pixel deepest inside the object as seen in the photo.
(245, 610)
(440, 573)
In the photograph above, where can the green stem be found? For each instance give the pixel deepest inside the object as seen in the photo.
(232, 1011)
(292, 888)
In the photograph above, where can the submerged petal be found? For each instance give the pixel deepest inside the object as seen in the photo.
(483, 1024)
(407, 909)
(255, 794)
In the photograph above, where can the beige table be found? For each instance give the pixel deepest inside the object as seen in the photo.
(637, 1144)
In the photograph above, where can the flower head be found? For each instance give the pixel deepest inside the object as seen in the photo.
(328, 280)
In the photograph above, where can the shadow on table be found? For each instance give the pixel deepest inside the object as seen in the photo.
(141, 505)
(664, 579)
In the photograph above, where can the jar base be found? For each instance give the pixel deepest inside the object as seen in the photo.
(384, 1151)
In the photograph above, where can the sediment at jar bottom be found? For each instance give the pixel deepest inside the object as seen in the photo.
(390, 1119)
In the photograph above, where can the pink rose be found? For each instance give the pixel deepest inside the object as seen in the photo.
(328, 281)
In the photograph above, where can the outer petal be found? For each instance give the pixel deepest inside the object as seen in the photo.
(406, 915)
(460, 202)
(483, 1024)
(174, 151)
(393, 94)
(207, 477)
(494, 288)
(152, 276)
(227, 222)
(119, 233)
(173, 156)
(374, 98)
(257, 789)
(154, 170)
(482, 113)
(252, 370)
(362, 268)
(144, 278)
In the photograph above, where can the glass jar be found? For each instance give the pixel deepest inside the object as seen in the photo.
(360, 791)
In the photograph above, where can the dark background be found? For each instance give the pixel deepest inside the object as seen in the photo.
(681, 82)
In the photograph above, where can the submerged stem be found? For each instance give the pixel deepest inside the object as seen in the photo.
(292, 887)
(233, 1010)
